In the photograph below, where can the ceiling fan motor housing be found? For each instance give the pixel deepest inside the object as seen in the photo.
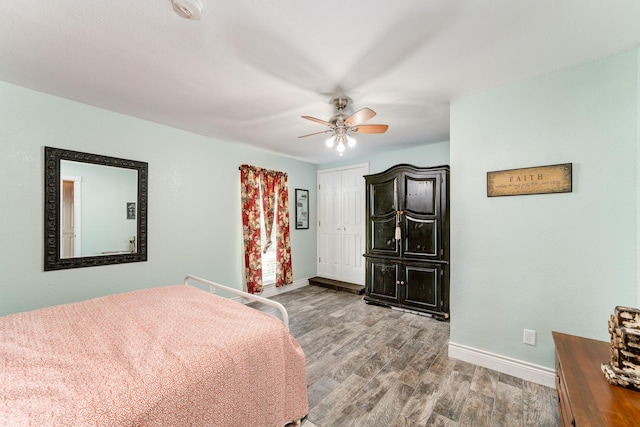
(340, 102)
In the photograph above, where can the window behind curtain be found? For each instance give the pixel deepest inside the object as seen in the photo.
(268, 258)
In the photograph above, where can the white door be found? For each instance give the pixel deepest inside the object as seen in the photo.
(353, 225)
(71, 217)
(329, 224)
(341, 223)
(67, 220)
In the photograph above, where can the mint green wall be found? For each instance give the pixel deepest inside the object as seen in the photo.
(545, 262)
(424, 155)
(194, 201)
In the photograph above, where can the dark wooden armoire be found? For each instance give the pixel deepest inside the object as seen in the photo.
(407, 241)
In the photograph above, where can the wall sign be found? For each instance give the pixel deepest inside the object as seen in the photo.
(535, 180)
(302, 209)
(131, 210)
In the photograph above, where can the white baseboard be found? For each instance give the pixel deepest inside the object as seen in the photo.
(517, 368)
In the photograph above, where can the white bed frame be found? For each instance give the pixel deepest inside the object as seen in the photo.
(213, 286)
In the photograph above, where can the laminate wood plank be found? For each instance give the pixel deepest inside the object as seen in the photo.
(356, 313)
(442, 365)
(320, 389)
(420, 406)
(404, 422)
(325, 412)
(330, 297)
(453, 396)
(438, 420)
(406, 354)
(465, 368)
(317, 365)
(358, 341)
(364, 402)
(385, 412)
(438, 339)
(510, 379)
(540, 406)
(392, 337)
(507, 406)
(349, 364)
(337, 336)
(402, 336)
(376, 362)
(477, 410)
(417, 369)
(424, 333)
(346, 307)
(485, 381)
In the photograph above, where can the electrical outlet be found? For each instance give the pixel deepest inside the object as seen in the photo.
(529, 337)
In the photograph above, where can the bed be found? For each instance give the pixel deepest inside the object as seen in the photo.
(166, 356)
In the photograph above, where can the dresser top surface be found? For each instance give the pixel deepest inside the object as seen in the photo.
(593, 400)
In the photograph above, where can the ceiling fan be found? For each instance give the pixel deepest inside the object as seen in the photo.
(342, 126)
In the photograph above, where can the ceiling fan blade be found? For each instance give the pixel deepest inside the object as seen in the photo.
(370, 129)
(313, 119)
(315, 133)
(360, 116)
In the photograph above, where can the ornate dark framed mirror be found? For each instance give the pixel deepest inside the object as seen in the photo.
(95, 210)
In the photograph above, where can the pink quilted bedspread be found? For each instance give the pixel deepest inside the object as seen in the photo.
(169, 356)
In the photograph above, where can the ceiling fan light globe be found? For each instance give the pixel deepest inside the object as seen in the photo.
(330, 141)
(340, 147)
(351, 141)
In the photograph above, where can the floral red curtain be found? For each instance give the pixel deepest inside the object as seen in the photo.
(250, 200)
(274, 188)
(284, 273)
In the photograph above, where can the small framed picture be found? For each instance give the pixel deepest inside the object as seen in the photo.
(302, 209)
(131, 210)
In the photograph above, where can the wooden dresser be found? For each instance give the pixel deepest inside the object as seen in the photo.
(585, 398)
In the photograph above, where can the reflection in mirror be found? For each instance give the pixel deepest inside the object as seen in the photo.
(95, 210)
(98, 209)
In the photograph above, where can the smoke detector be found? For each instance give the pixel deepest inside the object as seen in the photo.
(188, 9)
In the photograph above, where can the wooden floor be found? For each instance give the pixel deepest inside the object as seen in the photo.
(373, 366)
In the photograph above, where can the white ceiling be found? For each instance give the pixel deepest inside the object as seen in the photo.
(247, 70)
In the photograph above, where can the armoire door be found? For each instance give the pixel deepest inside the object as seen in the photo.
(383, 281)
(422, 215)
(341, 224)
(383, 209)
(423, 285)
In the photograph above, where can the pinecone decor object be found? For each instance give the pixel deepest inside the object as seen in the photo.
(624, 368)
